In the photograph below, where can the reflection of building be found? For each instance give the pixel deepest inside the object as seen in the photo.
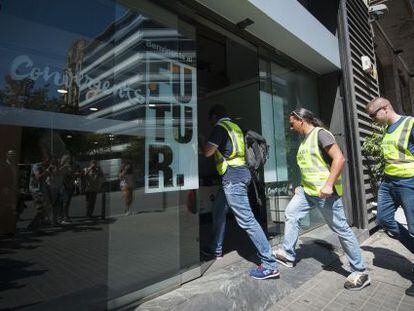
(395, 52)
(114, 66)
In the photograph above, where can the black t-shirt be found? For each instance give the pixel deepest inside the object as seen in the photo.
(221, 139)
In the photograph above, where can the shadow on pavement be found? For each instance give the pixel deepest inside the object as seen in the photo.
(323, 252)
(390, 260)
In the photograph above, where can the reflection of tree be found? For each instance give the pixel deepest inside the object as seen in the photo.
(23, 94)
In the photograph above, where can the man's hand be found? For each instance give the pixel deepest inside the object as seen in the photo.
(326, 191)
(207, 149)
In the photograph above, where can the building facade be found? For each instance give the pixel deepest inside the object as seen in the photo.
(105, 198)
(394, 46)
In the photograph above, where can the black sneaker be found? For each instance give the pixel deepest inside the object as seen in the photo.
(410, 291)
(357, 281)
(211, 255)
(281, 258)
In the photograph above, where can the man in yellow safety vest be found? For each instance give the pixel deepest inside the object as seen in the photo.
(397, 187)
(226, 143)
(320, 161)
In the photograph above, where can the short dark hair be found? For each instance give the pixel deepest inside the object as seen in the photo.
(218, 110)
(378, 102)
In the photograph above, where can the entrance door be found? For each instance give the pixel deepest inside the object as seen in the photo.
(227, 74)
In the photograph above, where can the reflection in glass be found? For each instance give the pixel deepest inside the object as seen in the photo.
(91, 210)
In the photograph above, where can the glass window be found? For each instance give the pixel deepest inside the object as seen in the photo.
(98, 110)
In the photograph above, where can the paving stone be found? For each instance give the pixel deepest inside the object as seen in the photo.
(298, 306)
(369, 307)
(313, 300)
(405, 307)
(408, 300)
(391, 303)
(333, 307)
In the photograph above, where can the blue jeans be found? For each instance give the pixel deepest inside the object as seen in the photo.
(391, 194)
(333, 212)
(238, 201)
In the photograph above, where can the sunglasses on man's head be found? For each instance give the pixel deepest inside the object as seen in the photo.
(295, 114)
(373, 114)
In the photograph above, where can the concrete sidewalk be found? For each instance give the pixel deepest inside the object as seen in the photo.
(316, 283)
(389, 265)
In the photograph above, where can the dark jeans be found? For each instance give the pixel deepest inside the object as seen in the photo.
(66, 199)
(90, 202)
(391, 194)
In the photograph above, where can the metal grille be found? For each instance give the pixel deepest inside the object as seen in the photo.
(360, 87)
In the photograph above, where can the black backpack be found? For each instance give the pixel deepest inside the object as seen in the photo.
(256, 155)
(256, 151)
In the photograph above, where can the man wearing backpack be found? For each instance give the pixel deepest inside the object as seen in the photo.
(226, 143)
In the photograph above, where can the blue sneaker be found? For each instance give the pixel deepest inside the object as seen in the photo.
(261, 273)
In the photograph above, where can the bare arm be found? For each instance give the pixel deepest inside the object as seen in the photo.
(338, 162)
(208, 149)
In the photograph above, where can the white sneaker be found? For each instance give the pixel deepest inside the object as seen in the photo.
(357, 281)
(281, 258)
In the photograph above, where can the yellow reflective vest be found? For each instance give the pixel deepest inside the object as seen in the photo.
(314, 170)
(237, 156)
(399, 161)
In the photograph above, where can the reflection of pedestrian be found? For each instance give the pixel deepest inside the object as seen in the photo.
(40, 193)
(93, 182)
(8, 194)
(66, 170)
(226, 143)
(77, 183)
(21, 190)
(55, 182)
(397, 188)
(127, 185)
(320, 161)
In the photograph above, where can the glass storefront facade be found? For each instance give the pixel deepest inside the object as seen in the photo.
(104, 196)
